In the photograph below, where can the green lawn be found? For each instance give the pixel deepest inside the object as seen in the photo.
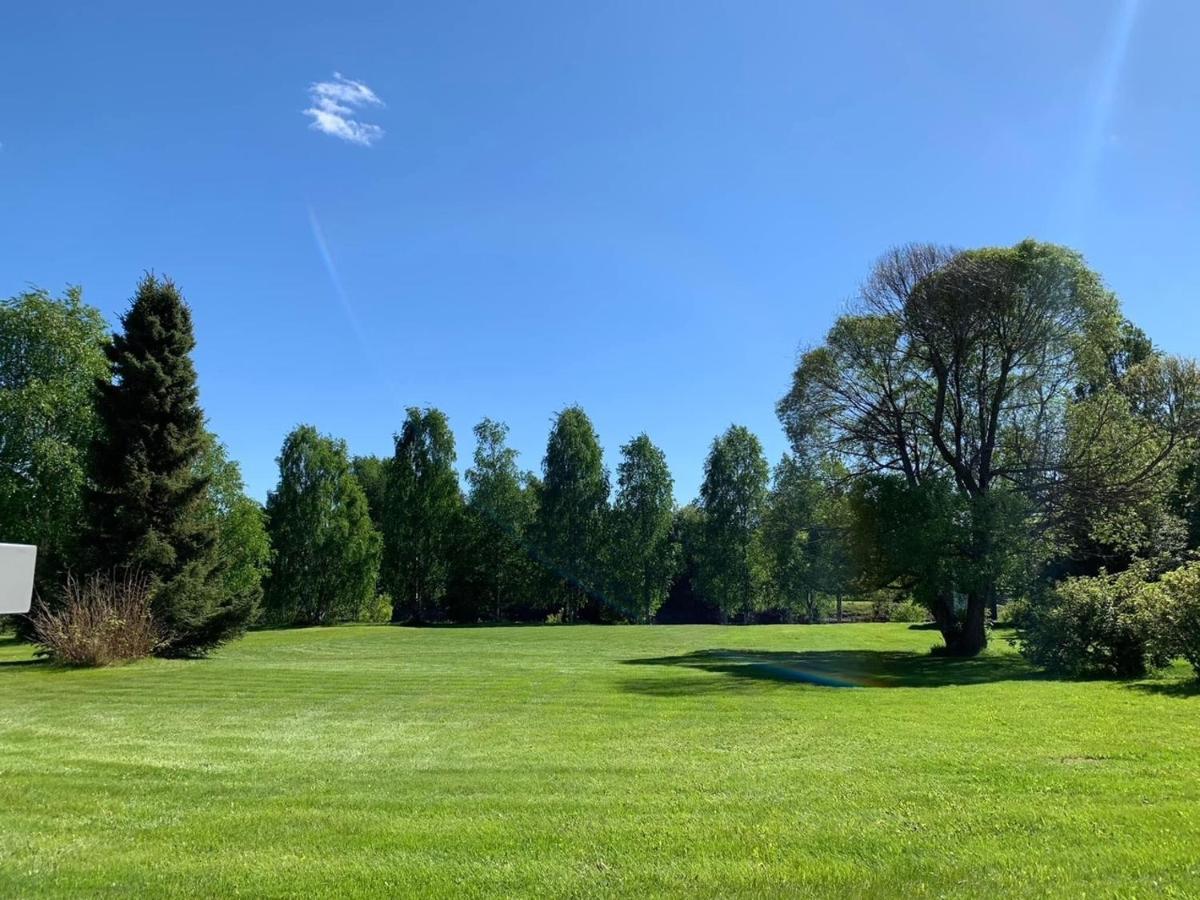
(688, 761)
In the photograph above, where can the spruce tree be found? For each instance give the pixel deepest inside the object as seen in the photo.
(146, 503)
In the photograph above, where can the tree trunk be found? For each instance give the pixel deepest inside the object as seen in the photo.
(965, 637)
(839, 608)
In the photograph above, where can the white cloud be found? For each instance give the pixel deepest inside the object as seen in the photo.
(334, 105)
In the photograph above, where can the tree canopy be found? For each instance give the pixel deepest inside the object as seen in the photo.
(51, 356)
(326, 551)
(733, 499)
(422, 515)
(146, 498)
(573, 504)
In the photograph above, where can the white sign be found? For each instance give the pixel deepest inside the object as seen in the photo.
(16, 577)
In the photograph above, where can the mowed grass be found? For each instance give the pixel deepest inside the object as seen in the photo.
(590, 761)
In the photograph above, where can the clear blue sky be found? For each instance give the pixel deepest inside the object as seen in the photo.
(642, 207)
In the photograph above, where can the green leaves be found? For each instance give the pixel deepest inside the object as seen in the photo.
(733, 569)
(422, 515)
(573, 503)
(642, 558)
(51, 355)
(326, 551)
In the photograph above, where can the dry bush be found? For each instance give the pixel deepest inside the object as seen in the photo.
(103, 619)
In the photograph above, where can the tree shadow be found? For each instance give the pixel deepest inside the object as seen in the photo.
(1188, 688)
(10, 640)
(23, 663)
(839, 668)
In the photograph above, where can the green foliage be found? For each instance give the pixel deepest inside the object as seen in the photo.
(1126, 449)
(733, 496)
(1180, 594)
(243, 545)
(51, 355)
(907, 610)
(326, 551)
(1106, 624)
(422, 516)
(496, 572)
(571, 511)
(146, 507)
(642, 558)
(378, 611)
(372, 475)
(804, 534)
(1185, 497)
(958, 369)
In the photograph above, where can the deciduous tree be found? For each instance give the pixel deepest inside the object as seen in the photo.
(326, 551)
(51, 355)
(500, 513)
(960, 368)
(642, 557)
(573, 503)
(733, 498)
(422, 515)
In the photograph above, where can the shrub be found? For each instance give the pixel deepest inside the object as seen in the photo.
(1181, 589)
(908, 610)
(102, 620)
(378, 611)
(881, 606)
(1107, 624)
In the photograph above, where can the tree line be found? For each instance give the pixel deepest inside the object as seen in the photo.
(981, 430)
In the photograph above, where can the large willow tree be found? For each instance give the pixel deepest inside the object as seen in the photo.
(952, 383)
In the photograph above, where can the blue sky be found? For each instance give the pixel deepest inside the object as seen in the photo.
(645, 208)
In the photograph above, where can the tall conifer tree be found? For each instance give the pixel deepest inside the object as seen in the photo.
(146, 502)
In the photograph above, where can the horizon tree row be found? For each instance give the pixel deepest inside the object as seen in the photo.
(413, 546)
(981, 426)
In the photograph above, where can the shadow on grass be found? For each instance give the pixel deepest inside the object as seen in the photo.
(1188, 688)
(11, 640)
(835, 668)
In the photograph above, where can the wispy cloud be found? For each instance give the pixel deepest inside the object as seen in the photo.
(334, 106)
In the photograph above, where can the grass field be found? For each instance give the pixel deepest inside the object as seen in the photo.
(589, 761)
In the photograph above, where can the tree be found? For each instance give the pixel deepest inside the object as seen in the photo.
(51, 355)
(685, 603)
(499, 516)
(573, 503)
(372, 474)
(643, 559)
(1185, 497)
(1114, 502)
(422, 515)
(733, 498)
(146, 504)
(326, 551)
(804, 535)
(961, 368)
(243, 545)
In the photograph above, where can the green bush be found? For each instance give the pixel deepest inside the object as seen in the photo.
(1181, 590)
(908, 610)
(1110, 624)
(378, 611)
